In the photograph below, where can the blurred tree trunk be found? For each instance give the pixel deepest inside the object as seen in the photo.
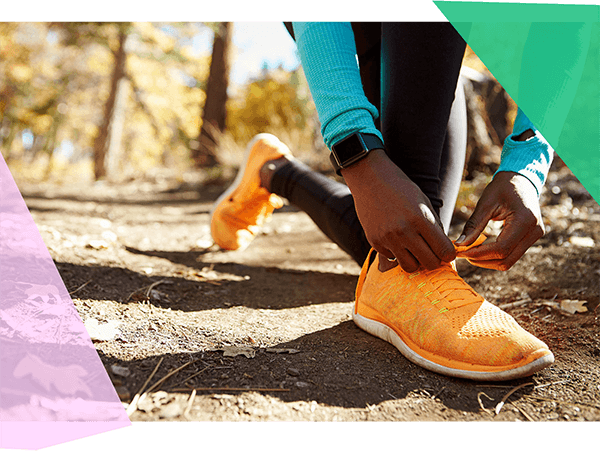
(107, 127)
(214, 112)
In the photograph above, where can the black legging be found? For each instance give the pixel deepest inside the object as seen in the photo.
(409, 71)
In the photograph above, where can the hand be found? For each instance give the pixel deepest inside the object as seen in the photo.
(512, 198)
(397, 217)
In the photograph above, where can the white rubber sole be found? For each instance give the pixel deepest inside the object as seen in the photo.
(384, 332)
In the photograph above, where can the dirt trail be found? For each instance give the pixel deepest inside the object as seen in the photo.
(139, 256)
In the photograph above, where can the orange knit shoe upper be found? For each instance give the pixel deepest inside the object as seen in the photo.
(444, 321)
(240, 212)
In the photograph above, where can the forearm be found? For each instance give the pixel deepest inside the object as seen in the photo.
(328, 55)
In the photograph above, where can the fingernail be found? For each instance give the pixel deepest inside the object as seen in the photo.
(461, 239)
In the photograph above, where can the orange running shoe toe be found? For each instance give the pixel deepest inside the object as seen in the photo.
(439, 322)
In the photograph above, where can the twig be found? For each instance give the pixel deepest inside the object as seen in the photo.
(136, 399)
(529, 418)
(170, 374)
(550, 383)
(133, 406)
(151, 375)
(79, 288)
(481, 404)
(510, 305)
(501, 404)
(190, 403)
(148, 289)
(194, 375)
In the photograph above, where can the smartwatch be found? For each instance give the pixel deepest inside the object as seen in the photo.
(352, 149)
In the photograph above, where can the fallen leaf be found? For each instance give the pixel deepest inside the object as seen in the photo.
(573, 306)
(233, 351)
(102, 332)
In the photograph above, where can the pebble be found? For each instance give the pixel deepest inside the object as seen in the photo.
(302, 384)
(120, 370)
(293, 372)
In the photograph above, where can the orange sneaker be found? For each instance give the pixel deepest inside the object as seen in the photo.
(437, 321)
(238, 214)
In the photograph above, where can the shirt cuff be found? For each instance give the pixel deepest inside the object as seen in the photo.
(349, 122)
(531, 158)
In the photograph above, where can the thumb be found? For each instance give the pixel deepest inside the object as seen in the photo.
(475, 224)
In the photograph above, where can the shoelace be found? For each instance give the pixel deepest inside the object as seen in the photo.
(448, 284)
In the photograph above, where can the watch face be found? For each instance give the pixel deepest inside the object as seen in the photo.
(349, 148)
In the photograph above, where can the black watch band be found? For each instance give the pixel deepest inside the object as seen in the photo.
(352, 149)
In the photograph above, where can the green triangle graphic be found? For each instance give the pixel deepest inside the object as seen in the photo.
(547, 58)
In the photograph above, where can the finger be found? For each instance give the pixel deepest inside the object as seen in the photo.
(382, 251)
(487, 264)
(412, 251)
(438, 244)
(424, 254)
(512, 235)
(407, 261)
(502, 258)
(475, 224)
(498, 265)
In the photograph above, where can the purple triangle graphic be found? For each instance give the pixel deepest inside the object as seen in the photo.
(53, 386)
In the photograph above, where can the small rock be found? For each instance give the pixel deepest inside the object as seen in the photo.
(582, 241)
(302, 384)
(232, 351)
(120, 370)
(172, 410)
(293, 372)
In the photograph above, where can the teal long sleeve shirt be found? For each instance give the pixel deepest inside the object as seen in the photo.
(328, 56)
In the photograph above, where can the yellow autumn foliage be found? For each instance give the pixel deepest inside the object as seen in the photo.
(275, 103)
(20, 73)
